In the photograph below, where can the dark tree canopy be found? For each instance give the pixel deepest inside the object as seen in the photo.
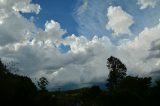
(124, 90)
(117, 72)
(42, 83)
(14, 87)
(135, 84)
(3, 68)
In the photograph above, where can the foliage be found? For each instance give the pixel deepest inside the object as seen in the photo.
(42, 83)
(14, 87)
(135, 84)
(130, 91)
(117, 72)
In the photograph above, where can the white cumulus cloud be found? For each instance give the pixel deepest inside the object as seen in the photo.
(119, 21)
(13, 26)
(148, 3)
(26, 7)
(136, 52)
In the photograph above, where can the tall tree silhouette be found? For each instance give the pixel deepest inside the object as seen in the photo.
(117, 72)
(42, 83)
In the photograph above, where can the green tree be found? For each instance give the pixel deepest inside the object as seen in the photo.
(42, 83)
(117, 72)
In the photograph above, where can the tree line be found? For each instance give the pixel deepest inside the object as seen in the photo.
(121, 90)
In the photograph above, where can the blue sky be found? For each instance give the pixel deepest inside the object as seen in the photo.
(58, 10)
(65, 12)
(68, 41)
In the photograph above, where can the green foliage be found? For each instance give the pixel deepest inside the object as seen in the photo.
(117, 72)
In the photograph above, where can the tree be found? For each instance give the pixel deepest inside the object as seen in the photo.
(135, 84)
(3, 67)
(15, 88)
(117, 72)
(42, 83)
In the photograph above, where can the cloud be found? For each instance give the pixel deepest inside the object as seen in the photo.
(54, 30)
(91, 18)
(85, 61)
(82, 8)
(12, 30)
(135, 53)
(119, 21)
(155, 50)
(147, 3)
(132, 53)
(155, 75)
(87, 58)
(15, 31)
(155, 45)
(36, 51)
(52, 33)
(25, 6)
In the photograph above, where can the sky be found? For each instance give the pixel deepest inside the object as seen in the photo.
(69, 41)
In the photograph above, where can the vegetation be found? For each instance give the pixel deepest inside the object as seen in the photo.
(15, 88)
(117, 72)
(42, 83)
(122, 90)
